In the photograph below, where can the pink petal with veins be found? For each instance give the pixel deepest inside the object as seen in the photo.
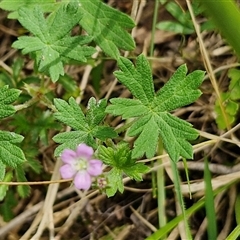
(84, 151)
(94, 167)
(68, 156)
(82, 180)
(67, 171)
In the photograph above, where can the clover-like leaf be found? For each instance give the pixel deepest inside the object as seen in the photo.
(151, 110)
(86, 128)
(52, 42)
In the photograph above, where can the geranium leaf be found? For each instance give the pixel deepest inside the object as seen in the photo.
(107, 26)
(52, 42)
(7, 97)
(152, 117)
(86, 127)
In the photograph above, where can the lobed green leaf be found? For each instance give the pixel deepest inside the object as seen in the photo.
(86, 128)
(52, 42)
(234, 86)
(61, 22)
(4, 188)
(7, 97)
(151, 110)
(2, 172)
(147, 131)
(127, 108)
(10, 154)
(70, 140)
(14, 6)
(104, 132)
(96, 111)
(229, 100)
(115, 182)
(70, 113)
(28, 44)
(180, 90)
(136, 171)
(120, 157)
(133, 78)
(107, 26)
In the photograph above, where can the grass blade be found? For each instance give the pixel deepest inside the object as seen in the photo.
(209, 203)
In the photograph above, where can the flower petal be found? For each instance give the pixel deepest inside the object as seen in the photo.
(94, 167)
(67, 171)
(68, 156)
(84, 150)
(82, 180)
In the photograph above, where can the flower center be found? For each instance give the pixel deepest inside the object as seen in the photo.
(81, 164)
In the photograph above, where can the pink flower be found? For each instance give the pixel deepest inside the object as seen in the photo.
(80, 166)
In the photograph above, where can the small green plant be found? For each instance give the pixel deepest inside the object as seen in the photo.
(230, 100)
(183, 24)
(62, 33)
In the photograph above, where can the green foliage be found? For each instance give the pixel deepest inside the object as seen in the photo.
(3, 188)
(107, 26)
(6, 208)
(152, 110)
(35, 124)
(7, 97)
(12, 80)
(70, 87)
(224, 15)
(120, 158)
(31, 153)
(16, 68)
(234, 235)
(96, 75)
(114, 177)
(2, 171)
(237, 209)
(162, 232)
(184, 24)
(230, 100)
(23, 190)
(86, 128)
(10, 154)
(13, 6)
(209, 204)
(52, 42)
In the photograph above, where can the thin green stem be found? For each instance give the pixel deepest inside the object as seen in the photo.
(161, 190)
(26, 104)
(187, 176)
(155, 14)
(160, 172)
(173, 223)
(177, 187)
